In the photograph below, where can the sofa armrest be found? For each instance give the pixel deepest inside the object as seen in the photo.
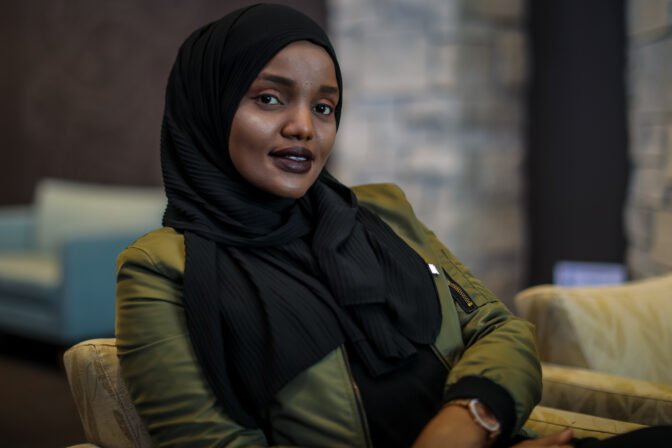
(608, 396)
(17, 228)
(89, 285)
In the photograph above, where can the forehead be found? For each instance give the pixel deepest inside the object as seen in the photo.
(302, 60)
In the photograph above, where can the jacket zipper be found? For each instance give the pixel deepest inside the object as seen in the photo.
(443, 360)
(358, 399)
(461, 297)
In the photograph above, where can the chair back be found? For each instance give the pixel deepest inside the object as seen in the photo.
(622, 330)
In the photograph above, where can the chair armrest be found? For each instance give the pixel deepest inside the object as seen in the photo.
(89, 285)
(545, 421)
(17, 228)
(608, 396)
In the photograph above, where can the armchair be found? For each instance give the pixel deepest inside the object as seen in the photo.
(605, 350)
(111, 421)
(57, 257)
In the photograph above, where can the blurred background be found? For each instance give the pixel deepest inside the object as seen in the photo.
(523, 133)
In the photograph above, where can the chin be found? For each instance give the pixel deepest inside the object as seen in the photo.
(292, 190)
(291, 194)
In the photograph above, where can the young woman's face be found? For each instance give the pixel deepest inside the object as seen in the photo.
(284, 128)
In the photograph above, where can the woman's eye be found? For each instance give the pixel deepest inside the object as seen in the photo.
(268, 99)
(324, 109)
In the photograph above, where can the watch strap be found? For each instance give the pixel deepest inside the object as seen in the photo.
(471, 404)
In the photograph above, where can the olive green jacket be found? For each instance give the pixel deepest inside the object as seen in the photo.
(321, 407)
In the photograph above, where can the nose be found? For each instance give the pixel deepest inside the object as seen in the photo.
(299, 123)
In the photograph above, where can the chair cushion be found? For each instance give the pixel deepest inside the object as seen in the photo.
(623, 330)
(65, 210)
(30, 275)
(107, 413)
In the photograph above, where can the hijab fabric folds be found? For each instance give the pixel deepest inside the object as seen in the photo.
(272, 285)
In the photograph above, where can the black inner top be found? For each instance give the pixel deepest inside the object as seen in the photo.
(400, 403)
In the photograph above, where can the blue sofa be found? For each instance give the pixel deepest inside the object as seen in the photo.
(58, 256)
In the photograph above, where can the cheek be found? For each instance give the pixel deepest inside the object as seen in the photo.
(328, 141)
(248, 137)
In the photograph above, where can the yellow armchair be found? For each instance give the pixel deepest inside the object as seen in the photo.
(605, 351)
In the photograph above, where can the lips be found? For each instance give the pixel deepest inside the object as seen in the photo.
(294, 159)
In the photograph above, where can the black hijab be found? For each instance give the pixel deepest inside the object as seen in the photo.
(272, 285)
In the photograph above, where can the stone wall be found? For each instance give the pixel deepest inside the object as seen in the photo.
(649, 209)
(434, 101)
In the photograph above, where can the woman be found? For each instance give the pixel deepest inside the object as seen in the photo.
(280, 307)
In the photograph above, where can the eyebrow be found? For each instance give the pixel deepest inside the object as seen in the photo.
(290, 82)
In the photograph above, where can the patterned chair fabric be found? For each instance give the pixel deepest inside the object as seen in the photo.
(105, 408)
(111, 421)
(623, 330)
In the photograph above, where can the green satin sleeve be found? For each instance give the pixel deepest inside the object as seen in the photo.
(499, 346)
(157, 363)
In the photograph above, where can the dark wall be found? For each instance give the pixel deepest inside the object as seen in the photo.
(578, 163)
(82, 84)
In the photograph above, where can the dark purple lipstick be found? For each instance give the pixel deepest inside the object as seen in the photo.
(294, 159)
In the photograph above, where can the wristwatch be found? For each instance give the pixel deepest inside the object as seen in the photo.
(481, 415)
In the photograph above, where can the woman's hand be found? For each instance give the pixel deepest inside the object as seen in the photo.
(452, 427)
(559, 440)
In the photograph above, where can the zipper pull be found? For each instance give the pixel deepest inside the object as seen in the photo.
(460, 295)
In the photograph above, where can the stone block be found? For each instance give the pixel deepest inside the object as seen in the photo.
(668, 159)
(642, 265)
(487, 230)
(638, 226)
(444, 66)
(510, 59)
(494, 112)
(661, 247)
(646, 188)
(645, 17)
(443, 17)
(497, 9)
(347, 16)
(461, 66)
(428, 110)
(394, 61)
(441, 162)
(651, 89)
(648, 144)
(498, 175)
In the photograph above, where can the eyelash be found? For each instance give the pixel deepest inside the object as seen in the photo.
(266, 98)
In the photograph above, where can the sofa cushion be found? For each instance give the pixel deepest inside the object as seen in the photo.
(622, 330)
(66, 210)
(29, 275)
